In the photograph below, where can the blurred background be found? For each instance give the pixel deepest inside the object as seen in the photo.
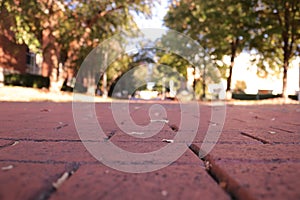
(254, 44)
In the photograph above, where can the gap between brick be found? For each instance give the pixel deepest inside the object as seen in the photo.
(12, 143)
(281, 129)
(46, 140)
(227, 183)
(59, 182)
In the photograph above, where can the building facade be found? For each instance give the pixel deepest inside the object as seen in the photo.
(14, 57)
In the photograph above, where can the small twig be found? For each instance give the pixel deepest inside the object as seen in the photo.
(61, 126)
(255, 138)
(281, 129)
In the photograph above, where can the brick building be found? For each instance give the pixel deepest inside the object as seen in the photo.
(14, 58)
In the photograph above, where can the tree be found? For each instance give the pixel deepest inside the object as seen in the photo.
(66, 30)
(176, 62)
(36, 24)
(278, 37)
(221, 27)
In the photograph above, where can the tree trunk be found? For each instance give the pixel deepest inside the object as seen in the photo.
(50, 49)
(230, 74)
(284, 79)
(287, 48)
(50, 58)
(204, 82)
(104, 85)
(234, 45)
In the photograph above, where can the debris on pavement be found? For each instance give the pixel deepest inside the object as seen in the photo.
(112, 133)
(164, 193)
(62, 125)
(160, 120)
(207, 165)
(136, 133)
(167, 141)
(223, 184)
(62, 179)
(174, 128)
(15, 143)
(45, 110)
(6, 168)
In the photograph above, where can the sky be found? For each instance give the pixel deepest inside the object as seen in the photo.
(159, 11)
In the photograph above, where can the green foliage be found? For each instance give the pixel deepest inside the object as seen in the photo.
(23, 17)
(117, 68)
(277, 39)
(74, 27)
(27, 80)
(175, 62)
(240, 87)
(221, 27)
(198, 90)
(215, 24)
(227, 27)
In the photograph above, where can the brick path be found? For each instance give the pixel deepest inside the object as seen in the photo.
(256, 157)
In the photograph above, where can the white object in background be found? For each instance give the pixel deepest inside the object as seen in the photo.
(1, 77)
(217, 89)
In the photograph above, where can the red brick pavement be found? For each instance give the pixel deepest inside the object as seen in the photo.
(256, 157)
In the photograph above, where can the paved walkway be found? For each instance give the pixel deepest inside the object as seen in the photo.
(256, 157)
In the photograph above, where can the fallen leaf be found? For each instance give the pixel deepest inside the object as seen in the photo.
(60, 181)
(136, 133)
(15, 143)
(6, 168)
(167, 141)
(160, 120)
(207, 165)
(213, 123)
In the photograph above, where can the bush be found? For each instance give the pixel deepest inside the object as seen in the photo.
(294, 97)
(27, 80)
(253, 96)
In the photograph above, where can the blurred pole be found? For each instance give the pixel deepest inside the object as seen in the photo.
(163, 88)
(204, 81)
(299, 85)
(104, 79)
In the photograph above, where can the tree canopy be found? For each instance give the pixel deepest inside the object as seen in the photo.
(277, 38)
(64, 31)
(221, 27)
(227, 27)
